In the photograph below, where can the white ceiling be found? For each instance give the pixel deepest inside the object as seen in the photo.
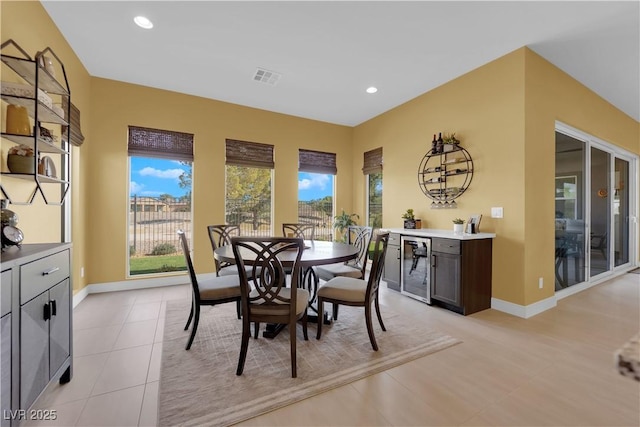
(329, 52)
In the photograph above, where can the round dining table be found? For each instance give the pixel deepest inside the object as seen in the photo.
(316, 252)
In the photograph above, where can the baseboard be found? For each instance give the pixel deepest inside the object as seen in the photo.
(128, 285)
(524, 311)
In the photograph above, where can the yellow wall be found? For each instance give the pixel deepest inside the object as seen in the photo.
(29, 25)
(116, 105)
(504, 113)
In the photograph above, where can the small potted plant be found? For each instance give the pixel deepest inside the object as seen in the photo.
(410, 221)
(343, 221)
(20, 159)
(458, 225)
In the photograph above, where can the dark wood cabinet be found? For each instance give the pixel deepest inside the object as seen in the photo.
(391, 273)
(461, 274)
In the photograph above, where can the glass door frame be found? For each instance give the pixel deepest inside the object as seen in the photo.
(614, 153)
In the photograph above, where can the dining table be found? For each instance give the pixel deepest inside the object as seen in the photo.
(316, 252)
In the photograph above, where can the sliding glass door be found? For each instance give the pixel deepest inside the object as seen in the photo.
(595, 196)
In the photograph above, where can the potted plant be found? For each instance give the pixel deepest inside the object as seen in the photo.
(343, 221)
(458, 225)
(410, 221)
(20, 159)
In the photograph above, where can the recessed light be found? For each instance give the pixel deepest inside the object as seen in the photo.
(143, 22)
(372, 89)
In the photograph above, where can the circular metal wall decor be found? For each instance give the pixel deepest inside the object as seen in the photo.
(446, 175)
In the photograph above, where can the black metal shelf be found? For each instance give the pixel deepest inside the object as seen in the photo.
(453, 169)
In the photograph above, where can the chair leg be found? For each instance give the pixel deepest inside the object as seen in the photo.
(320, 317)
(372, 337)
(190, 316)
(256, 330)
(246, 333)
(335, 311)
(292, 340)
(304, 326)
(239, 308)
(378, 313)
(196, 319)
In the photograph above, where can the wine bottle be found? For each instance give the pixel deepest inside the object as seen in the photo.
(434, 145)
(439, 143)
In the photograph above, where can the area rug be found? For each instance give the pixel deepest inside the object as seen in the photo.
(635, 270)
(200, 387)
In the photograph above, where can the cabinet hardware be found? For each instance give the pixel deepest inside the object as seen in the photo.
(53, 307)
(46, 315)
(50, 271)
(433, 260)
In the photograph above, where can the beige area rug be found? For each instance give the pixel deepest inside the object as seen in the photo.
(200, 387)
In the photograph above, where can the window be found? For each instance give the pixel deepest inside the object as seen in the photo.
(248, 192)
(160, 199)
(373, 170)
(316, 172)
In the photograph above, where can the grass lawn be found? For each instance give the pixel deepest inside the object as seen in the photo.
(156, 264)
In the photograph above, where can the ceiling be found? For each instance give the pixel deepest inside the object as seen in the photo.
(328, 53)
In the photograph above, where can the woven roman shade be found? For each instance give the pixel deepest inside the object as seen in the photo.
(372, 161)
(250, 154)
(166, 144)
(75, 138)
(317, 162)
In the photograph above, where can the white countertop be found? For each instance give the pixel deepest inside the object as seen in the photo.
(446, 234)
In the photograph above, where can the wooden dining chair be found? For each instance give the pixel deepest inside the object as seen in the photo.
(220, 235)
(299, 230)
(358, 292)
(213, 291)
(267, 298)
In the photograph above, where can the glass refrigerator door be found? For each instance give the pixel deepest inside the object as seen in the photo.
(416, 267)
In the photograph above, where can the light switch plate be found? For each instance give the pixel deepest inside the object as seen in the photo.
(497, 212)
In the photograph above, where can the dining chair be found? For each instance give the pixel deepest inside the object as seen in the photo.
(267, 298)
(220, 235)
(213, 291)
(358, 292)
(299, 230)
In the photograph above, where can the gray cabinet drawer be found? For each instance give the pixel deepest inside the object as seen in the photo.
(5, 292)
(448, 246)
(38, 276)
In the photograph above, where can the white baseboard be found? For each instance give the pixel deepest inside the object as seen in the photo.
(524, 311)
(128, 285)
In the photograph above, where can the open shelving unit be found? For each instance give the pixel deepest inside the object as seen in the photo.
(445, 176)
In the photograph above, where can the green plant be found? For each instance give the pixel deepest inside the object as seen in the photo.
(408, 215)
(164, 249)
(458, 221)
(343, 221)
(450, 138)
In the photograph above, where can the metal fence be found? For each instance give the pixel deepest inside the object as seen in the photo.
(153, 222)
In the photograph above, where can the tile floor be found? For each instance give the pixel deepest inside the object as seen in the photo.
(553, 369)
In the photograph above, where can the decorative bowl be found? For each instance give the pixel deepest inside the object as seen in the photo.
(21, 164)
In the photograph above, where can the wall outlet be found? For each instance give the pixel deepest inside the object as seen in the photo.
(497, 212)
(81, 271)
(540, 282)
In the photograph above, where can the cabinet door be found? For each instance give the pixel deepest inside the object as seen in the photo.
(445, 278)
(34, 349)
(392, 267)
(59, 326)
(5, 367)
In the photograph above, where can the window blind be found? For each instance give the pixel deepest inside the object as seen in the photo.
(251, 154)
(166, 144)
(317, 162)
(372, 161)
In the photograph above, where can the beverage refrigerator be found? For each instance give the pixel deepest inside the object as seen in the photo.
(415, 268)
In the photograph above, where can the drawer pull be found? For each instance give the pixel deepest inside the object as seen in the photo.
(53, 307)
(50, 271)
(46, 312)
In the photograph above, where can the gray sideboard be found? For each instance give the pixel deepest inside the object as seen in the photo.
(36, 325)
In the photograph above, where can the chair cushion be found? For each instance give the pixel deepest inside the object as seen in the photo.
(219, 287)
(344, 289)
(233, 270)
(329, 271)
(302, 300)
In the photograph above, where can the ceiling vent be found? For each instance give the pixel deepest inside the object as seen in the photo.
(266, 76)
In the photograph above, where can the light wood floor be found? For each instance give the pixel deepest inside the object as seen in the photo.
(554, 369)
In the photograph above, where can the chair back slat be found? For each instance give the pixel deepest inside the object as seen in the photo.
(360, 237)
(298, 230)
(220, 235)
(187, 256)
(378, 256)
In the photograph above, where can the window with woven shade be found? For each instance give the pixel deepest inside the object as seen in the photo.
(159, 198)
(372, 168)
(316, 173)
(248, 187)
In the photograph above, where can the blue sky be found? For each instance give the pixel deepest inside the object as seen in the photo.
(153, 177)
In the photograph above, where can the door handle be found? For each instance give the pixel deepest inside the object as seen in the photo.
(53, 307)
(433, 261)
(50, 271)
(46, 315)
(398, 253)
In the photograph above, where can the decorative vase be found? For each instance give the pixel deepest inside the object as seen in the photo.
(458, 228)
(20, 164)
(18, 120)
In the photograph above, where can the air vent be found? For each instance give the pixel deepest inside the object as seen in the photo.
(266, 76)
